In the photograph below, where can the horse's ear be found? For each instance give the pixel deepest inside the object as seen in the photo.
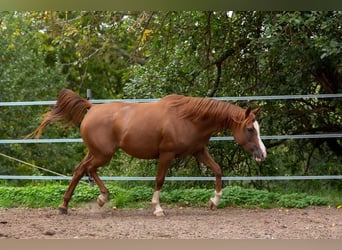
(256, 111)
(248, 111)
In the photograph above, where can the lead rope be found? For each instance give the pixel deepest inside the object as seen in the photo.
(35, 166)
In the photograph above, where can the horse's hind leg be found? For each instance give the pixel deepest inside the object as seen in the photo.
(79, 172)
(88, 164)
(99, 158)
(103, 197)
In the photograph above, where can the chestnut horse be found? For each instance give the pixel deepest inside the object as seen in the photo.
(175, 126)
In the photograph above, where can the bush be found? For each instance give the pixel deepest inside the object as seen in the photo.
(139, 196)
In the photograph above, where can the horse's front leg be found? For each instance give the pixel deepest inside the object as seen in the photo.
(205, 158)
(164, 162)
(158, 211)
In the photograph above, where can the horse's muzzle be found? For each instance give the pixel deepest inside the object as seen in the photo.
(259, 155)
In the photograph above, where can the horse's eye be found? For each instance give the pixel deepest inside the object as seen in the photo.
(250, 129)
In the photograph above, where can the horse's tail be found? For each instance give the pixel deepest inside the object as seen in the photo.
(69, 108)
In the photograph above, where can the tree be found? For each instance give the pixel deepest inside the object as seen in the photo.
(24, 76)
(199, 53)
(253, 53)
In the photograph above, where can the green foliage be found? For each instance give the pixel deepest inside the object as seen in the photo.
(24, 73)
(199, 53)
(139, 196)
(253, 53)
(133, 197)
(31, 196)
(237, 196)
(300, 200)
(187, 197)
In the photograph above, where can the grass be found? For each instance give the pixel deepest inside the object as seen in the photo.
(140, 196)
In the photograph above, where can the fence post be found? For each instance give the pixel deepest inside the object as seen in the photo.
(89, 94)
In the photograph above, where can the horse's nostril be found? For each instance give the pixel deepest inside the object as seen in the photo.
(259, 156)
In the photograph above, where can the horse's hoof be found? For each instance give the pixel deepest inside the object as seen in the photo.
(159, 213)
(62, 210)
(100, 202)
(212, 205)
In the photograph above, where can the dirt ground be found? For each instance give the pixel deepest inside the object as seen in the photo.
(91, 222)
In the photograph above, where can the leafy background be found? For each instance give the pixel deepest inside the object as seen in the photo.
(139, 54)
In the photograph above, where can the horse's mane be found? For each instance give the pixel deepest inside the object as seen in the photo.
(197, 108)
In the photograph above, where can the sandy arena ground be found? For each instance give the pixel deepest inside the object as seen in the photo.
(92, 222)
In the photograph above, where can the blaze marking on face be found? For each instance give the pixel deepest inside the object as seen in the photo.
(261, 144)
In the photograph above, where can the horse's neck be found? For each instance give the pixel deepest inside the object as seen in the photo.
(233, 119)
(208, 114)
(211, 125)
(233, 122)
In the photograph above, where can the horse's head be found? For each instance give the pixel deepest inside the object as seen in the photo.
(247, 134)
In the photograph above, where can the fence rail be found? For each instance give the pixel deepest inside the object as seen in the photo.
(227, 98)
(216, 138)
(175, 178)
